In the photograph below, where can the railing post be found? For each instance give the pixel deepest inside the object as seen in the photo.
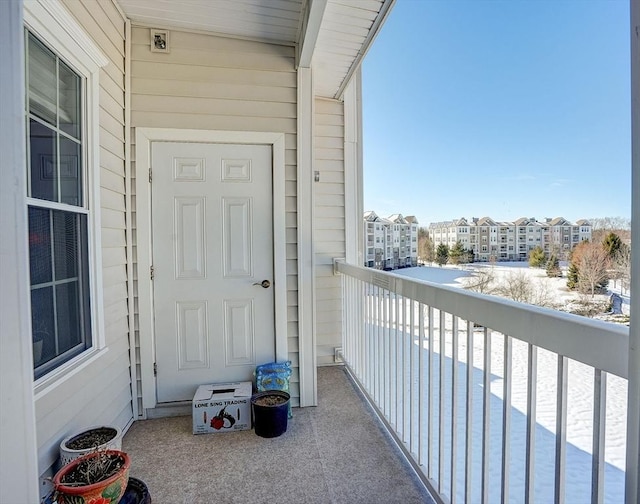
(632, 486)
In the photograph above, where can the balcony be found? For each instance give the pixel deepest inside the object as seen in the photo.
(336, 452)
(490, 400)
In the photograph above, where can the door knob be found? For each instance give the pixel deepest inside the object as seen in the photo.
(265, 284)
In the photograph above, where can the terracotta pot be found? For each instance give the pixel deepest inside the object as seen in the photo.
(108, 491)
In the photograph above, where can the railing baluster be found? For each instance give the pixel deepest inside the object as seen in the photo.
(454, 408)
(398, 337)
(367, 340)
(379, 354)
(441, 461)
(421, 384)
(362, 332)
(406, 345)
(506, 418)
(412, 395)
(599, 420)
(387, 364)
(468, 462)
(532, 379)
(430, 469)
(561, 429)
(486, 415)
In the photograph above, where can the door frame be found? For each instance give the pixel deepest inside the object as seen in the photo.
(144, 138)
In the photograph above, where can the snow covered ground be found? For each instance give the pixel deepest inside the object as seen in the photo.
(579, 411)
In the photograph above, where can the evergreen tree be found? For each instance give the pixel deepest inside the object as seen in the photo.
(612, 244)
(572, 276)
(537, 258)
(457, 253)
(468, 256)
(553, 267)
(442, 254)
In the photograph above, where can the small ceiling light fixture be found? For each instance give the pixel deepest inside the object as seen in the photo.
(159, 41)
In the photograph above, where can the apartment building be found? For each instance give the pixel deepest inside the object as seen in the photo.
(492, 240)
(391, 242)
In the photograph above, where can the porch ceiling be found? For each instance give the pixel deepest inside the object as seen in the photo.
(333, 34)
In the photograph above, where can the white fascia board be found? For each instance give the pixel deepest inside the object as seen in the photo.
(312, 25)
(373, 33)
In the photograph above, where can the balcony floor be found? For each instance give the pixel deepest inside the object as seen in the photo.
(334, 453)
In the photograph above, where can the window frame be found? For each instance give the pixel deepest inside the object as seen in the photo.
(52, 24)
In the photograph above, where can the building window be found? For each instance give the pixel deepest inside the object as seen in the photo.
(57, 208)
(62, 65)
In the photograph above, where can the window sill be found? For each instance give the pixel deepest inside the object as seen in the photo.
(48, 383)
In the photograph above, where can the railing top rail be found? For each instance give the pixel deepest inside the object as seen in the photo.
(599, 344)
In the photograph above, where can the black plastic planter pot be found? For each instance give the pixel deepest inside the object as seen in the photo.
(270, 412)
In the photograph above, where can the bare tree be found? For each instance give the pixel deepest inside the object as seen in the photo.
(602, 226)
(482, 281)
(593, 264)
(622, 267)
(425, 245)
(521, 288)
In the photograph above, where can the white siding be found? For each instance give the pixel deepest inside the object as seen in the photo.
(216, 83)
(329, 224)
(101, 392)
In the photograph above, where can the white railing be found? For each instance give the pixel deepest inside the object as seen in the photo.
(477, 390)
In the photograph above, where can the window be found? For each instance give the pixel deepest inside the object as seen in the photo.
(62, 66)
(57, 208)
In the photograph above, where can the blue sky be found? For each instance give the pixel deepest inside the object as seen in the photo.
(501, 108)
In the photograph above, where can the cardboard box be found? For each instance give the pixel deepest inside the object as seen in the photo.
(222, 407)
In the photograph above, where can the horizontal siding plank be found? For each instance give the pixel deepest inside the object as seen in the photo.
(215, 59)
(329, 200)
(112, 87)
(323, 130)
(112, 99)
(111, 199)
(229, 123)
(113, 257)
(113, 237)
(212, 75)
(113, 123)
(192, 40)
(112, 218)
(111, 181)
(328, 154)
(329, 305)
(109, 161)
(327, 188)
(333, 165)
(176, 88)
(332, 212)
(111, 48)
(336, 224)
(329, 143)
(116, 312)
(114, 32)
(111, 142)
(212, 106)
(114, 276)
(324, 294)
(113, 294)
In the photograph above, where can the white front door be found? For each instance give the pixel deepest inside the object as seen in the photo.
(211, 207)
